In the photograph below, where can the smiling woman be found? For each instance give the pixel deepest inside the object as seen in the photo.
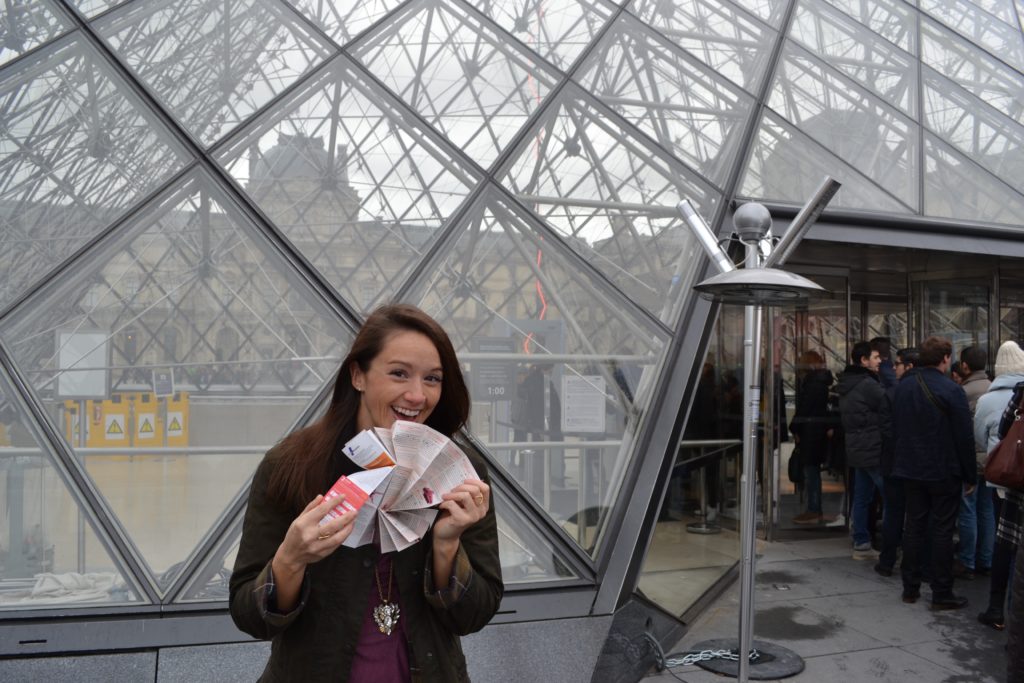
(354, 613)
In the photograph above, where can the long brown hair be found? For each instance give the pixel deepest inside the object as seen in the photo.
(305, 455)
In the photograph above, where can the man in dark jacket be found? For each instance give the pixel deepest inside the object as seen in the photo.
(933, 452)
(861, 398)
(892, 488)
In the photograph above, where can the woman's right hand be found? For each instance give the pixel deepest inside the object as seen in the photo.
(307, 541)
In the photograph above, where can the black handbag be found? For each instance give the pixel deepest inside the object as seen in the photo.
(796, 467)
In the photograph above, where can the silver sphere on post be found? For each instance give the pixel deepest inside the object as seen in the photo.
(752, 222)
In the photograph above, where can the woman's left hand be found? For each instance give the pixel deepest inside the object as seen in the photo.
(461, 508)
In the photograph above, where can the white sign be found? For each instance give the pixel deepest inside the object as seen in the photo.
(583, 403)
(82, 359)
(114, 430)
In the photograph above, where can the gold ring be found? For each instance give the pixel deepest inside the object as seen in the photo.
(323, 536)
(479, 499)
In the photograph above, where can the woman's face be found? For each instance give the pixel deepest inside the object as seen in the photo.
(403, 381)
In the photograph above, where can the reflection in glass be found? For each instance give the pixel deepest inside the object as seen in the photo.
(459, 75)
(168, 442)
(727, 39)
(676, 100)
(954, 309)
(613, 197)
(1011, 309)
(856, 126)
(354, 185)
(956, 187)
(76, 150)
(557, 30)
(680, 565)
(212, 63)
(967, 18)
(788, 166)
(50, 554)
(894, 20)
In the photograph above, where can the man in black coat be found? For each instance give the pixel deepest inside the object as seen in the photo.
(861, 399)
(933, 452)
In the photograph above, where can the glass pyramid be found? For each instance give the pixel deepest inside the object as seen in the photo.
(199, 200)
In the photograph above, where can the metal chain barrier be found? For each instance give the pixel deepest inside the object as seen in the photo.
(708, 655)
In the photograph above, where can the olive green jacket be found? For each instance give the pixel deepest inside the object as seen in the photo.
(317, 640)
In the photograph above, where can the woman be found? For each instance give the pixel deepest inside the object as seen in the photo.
(352, 613)
(988, 412)
(811, 428)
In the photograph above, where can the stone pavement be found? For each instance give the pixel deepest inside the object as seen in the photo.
(849, 624)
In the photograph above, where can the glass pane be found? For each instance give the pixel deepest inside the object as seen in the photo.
(956, 310)
(981, 133)
(894, 20)
(557, 31)
(191, 348)
(853, 49)
(1011, 307)
(76, 151)
(888, 319)
(50, 551)
(27, 24)
(684, 105)
(559, 368)
(351, 180)
(787, 166)
(696, 539)
(977, 25)
(975, 71)
(469, 82)
(730, 41)
(772, 12)
(857, 127)
(613, 198)
(957, 188)
(343, 20)
(212, 63)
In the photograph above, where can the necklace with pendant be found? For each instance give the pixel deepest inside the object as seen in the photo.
(385, 615)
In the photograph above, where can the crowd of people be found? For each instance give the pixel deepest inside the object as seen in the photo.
(914, 430)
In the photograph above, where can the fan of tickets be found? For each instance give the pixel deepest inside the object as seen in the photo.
(406, 471)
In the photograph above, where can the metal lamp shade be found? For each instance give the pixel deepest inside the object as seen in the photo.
(757, 287)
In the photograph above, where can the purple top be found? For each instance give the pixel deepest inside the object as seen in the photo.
(380, 657)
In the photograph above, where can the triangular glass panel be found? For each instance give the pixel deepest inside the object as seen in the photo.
(858, 52)
(28, 24)
(212, 64)
(894, 20)
(191, 347)
(730, 41)
(982, 134)
(785, 165)
(53, 556)
(1002, 37)
(863, 131)
(957, 188)
(612, 196)
(462, 77)
(558, 31)
(343, 20)
(973, 69)
(560, 366)
(685, 106)
(352, 180)
(77, 149)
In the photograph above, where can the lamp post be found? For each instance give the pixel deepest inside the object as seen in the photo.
(758, 284)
